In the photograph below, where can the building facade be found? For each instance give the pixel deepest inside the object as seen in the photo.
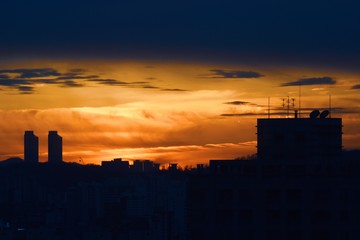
(31, 147)
(54, 147)
(299, 138)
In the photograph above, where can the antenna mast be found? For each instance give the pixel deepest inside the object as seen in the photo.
(288, 107)
(329, 105)
(268, 107)
(299, 100)
(288, 103)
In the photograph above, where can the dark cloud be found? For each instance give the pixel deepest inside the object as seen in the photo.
(138, 82)
(33, 73)
(77, 70)
(237, 103)
(25, 89)
(321, 32)
(110, 82)
(76, 76)
(174, 90)
(220, 73)
(311, 81)
(242, 103)
(13, 82)
(114, 82)
(70, 83)
(151, 78)
(26, 79)
(357, 86)
(150, 87)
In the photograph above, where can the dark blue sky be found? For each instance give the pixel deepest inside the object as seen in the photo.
(299, 32)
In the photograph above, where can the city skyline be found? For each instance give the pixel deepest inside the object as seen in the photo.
(301, 185)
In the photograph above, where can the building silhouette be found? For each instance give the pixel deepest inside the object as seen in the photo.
(300, 138)
(31, 147)
(312, 196)
(301, 186)
(54, 147)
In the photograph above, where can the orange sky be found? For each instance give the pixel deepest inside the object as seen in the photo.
(162, 111)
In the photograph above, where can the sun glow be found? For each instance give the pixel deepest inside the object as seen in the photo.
(165, 112)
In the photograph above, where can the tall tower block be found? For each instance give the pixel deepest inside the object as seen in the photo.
(31, 147)
(300, 138)
(54, 147)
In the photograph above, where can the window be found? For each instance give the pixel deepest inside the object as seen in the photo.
(245, 216)
(294, 196)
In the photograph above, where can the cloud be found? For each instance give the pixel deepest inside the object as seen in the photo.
(220, 73)
(357, 86)
(238, 103)
(150, 87)
(26, 79)
(13, 82)
(138, 82)
(110, 82)
(70, 83)
(25, 89)
(32, 72)
(311, 81)
(69, 76)
(268, 38)
(174, 90)
(243, 103)
(114, 82)
(77, 70)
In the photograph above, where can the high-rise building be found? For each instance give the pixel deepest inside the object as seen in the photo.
(299, 138)
(54, 147)
(31, 147)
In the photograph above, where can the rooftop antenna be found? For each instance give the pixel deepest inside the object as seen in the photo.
(290, 104)
(288, 107)
(283, 102)
(268, 107)
(299, 99)
(329, 105)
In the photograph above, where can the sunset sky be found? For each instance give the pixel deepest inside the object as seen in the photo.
(171, 81)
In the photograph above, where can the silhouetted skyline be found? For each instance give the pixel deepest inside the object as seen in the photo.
(153, 108)
(269, 196)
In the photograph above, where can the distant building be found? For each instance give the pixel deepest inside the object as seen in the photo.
(54, 147)
(299, 138)
(31, 147)
(117, 164)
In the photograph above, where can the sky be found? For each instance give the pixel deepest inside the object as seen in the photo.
(171, 81)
